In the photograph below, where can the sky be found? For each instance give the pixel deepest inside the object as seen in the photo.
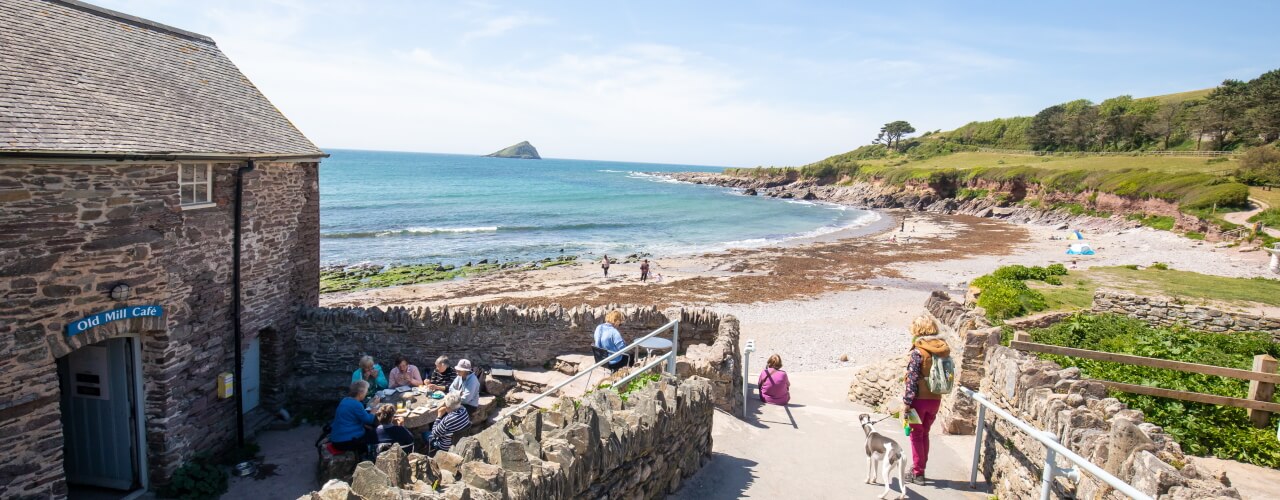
(739, 83)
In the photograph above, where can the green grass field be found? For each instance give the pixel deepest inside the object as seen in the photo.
(1076, 291)
(963, 160)
(1183, 96)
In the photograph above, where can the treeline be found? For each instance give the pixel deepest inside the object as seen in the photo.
(1232, 115)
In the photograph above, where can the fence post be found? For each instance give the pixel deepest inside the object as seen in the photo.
(1262, 391)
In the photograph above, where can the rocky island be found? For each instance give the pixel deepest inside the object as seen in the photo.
(523, 150)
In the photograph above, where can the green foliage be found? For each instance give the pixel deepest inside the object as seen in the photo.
(1201, 429)
(638, 383)
(969, 194)
(1006, 295)
(1161, 222)
(359, 278)
(1160, 266)
(1194, 235)
(197, 479)
(1268, 217)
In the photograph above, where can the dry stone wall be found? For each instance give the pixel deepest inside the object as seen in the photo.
(1100, 429)
(597, 447)
(331, 341)
(1166, 311)
(70, 232)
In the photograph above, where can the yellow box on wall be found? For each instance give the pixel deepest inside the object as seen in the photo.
(226, 385)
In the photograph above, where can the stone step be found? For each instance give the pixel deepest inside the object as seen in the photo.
(539, 380)
(569, 364)
(517, 398)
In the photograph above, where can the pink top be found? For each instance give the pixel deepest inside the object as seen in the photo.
(774, 387)
(411, 377)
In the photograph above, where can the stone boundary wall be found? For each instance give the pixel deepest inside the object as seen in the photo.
(1165, 311)
(330, 341)
(598, 447)
(880, 385)
(1098, 428)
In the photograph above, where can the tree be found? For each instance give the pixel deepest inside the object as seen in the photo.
(891, 133)
(1164, 122)
(1223, 112)
(1045, 131)
(1080, 124)
(1264, 105)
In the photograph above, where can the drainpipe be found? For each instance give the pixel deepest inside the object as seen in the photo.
(236, 299)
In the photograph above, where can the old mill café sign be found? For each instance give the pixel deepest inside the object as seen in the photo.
(102, 318)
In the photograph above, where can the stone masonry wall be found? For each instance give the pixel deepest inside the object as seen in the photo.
(599, 447)
(331, 341)
(1166, 311)
(69, 232)
(1100, 429)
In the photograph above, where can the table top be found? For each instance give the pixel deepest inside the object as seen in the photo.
(421, 408)
(656, 343)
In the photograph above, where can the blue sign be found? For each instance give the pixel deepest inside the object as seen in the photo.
(102, 318)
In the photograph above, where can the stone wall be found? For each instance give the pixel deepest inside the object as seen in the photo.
(1100, 429)
(70, 232)
(330, 341)
(599, 447)
(880, 385)
(1166, 311)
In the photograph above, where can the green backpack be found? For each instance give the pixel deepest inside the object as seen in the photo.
(942, 375)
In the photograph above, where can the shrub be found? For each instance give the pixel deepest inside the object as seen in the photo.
(1057, 270)
(1268, 217)
(1160, 266)
(1201, 429)
(1003, 298)
(197, 479)
(1260, 165)
(1195, 235)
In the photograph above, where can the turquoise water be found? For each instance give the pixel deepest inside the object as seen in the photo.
(388, 207)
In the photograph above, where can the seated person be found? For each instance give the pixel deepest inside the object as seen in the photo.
(451, 418)
(352, 429)
(467, 386)
(775, 389)
(608, 337)
(370, 372)
(442, 376)
(404, 374)
(391, 428)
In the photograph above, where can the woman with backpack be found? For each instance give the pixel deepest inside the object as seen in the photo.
(930, 374)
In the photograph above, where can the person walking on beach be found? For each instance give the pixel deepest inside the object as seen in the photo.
(604, 264)
(644, 270)
(929, 376)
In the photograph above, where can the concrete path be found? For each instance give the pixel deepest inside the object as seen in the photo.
(813, 448)
(1242, 218)
(291, 456)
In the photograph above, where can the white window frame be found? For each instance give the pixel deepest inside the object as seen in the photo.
(206, 184)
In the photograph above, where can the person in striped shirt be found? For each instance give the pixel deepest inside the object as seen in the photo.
(451, 418)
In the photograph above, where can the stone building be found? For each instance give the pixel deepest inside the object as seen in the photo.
(145, 186)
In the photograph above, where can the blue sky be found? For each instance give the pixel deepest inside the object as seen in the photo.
(714, 83)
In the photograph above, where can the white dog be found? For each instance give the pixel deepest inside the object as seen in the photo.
(883, 455)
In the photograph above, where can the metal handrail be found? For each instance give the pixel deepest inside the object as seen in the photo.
(1052, 449)
(674, 326)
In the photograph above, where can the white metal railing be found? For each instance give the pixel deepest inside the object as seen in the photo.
(670, 356)
(1052, 449)
(746, 375)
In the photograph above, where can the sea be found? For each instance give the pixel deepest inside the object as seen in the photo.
(386, 207)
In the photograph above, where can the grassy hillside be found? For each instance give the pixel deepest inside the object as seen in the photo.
(1183, 96)
(972, 159)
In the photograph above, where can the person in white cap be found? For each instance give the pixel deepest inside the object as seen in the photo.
(466, 386)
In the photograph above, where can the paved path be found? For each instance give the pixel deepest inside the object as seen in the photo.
(813, 448)
(1242, 218)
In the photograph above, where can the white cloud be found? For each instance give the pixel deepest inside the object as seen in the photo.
(498, 26)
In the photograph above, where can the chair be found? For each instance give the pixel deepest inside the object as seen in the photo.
(322, 441)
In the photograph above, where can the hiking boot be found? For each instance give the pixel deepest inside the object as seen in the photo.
(917, 479)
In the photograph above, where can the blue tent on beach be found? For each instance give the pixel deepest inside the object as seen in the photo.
(1080, 249)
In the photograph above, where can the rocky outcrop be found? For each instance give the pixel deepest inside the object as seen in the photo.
(524, 150)
(1002, 201)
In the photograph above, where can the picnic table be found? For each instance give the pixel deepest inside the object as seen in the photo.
(419, 407)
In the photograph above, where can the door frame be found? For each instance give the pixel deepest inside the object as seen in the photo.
(139, 408)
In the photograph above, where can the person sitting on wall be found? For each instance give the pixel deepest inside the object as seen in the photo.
(405, 374)
(451, 418)
(442, 376)
(370, 372)
(466, 386)
(391, 429)
(351, 428)
(608, 338)
(775, 388)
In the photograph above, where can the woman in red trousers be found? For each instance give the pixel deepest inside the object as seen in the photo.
(925, 344)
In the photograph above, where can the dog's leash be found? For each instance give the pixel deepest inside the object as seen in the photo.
(886, 417)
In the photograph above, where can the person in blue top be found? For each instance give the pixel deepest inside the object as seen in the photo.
(370, 372)
(608, 337)
(352, 424)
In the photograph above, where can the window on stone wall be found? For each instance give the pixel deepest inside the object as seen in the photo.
(195, 183)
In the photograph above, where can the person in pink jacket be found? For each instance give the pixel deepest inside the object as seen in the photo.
(775, 389)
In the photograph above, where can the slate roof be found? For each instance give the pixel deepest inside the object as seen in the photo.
(79, 78)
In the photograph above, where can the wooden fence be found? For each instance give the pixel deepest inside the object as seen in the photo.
(1032, 152)
(1262, 378)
